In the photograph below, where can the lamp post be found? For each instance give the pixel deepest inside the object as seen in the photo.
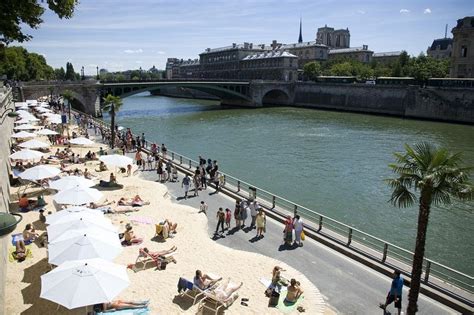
(97, 68)
(82, 73)
(140, 73)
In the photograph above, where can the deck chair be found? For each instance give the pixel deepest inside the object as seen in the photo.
(161, 231)
(144, 258)
(192, 291)
(214, 304)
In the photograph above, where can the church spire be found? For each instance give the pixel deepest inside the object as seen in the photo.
(300, 38)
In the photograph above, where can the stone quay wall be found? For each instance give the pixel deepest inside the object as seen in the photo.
(6, 101)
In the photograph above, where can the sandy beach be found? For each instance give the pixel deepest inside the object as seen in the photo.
(196, 250)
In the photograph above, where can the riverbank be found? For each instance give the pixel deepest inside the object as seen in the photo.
(195, 251)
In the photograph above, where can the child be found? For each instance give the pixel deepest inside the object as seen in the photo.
(228, 216)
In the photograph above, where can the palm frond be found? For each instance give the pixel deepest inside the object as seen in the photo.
(402, 197)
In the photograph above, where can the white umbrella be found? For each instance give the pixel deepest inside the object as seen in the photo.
(20, 104)
(78, 196)
(69, 182)
(40, 172)
(116, 160)
(23, 135)
(79, 223)
(84, 282)
(81, 141)
(34, 144)
(46, 132)
(24, 127)
(25, 120)
(72, 212)
(26, 155)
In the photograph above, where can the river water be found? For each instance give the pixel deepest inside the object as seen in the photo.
(331, 162)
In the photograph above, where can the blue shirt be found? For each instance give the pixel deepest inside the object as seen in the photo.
(397, 286)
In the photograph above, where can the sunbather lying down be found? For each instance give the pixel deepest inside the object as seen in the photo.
(120, 305)
(162, 253)
(134, 202)
(224, 290)
(20, 252)
(203, 281)
(105, 208)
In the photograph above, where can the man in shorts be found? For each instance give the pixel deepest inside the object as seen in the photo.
(185, 183)
(395, 293)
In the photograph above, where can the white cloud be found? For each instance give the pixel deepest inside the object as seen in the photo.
(361, 11)
(160, 52)
(427, 11)
(131, 51)
(404, 11)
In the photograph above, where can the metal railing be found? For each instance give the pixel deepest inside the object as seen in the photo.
(434, 274)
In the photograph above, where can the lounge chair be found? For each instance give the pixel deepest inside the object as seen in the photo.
(161, 231)
(214, 304)
(144, 258)
(192, 291)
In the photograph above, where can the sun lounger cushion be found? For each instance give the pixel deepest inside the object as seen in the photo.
(136, 311)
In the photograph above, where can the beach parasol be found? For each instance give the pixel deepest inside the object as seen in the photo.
(76, 211)
(26, 120)
(78, 223)
(40, 172)
(116, 160)
(24, 127)
(80, 283)
(26, 155)
(46, 132)
(34, 144)
(78, 196)
(81, 141)
(69, 182)
(23, 135)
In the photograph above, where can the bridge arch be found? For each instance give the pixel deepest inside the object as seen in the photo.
(276, 97)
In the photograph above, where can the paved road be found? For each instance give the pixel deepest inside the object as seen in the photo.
(348, 287)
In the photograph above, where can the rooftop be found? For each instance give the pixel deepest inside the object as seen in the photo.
(244, 46)
(349, 50)
(272, 54)
(443, 43)
(300, 45)
(387, 54)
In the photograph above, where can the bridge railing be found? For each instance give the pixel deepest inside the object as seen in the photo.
(435, 275)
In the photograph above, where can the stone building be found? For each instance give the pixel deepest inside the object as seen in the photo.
(306, 52)
(224, 62)
(333, 38)
(270, 65)
(190, 68)
(362, 54)
(462, 57)
(172, 68)
(440, 48)
(386, 57)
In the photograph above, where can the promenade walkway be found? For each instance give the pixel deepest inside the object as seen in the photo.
(348, 286)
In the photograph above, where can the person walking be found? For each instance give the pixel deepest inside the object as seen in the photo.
(253, 206)
(202, 171)
(203, 207)
(143, 140)
(220, 220)
(185, 183)
(237, 214)
(298, 226)
(228, 216)
(288, 231)
(260, 221)
(138, 158)
(243, 212)
(395, 293)
(215, 179)
(196, 182)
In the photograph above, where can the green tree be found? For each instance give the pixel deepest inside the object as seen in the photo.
(18, 64)
(69, 96)
(341, 69)
(60, 74)
(70, 73)
(312, 70)
(14, 13)
(435, 175)
(112, 105)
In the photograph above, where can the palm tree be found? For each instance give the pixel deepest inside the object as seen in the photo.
(435, 175)
(67, 95)
(112, 104)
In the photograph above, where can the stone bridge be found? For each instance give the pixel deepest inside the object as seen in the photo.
(88, 94)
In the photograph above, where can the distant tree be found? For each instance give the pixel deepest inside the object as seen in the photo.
(403, 59)
(119, 77)
(312, 70)
(341, 69)
(112, 105)
(14, 13)
(436, 176)
(60, 74)
(70, 74)
(18, 64)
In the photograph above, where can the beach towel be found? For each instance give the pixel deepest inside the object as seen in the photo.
(267, 283)
(136, 311)
(143, 220)
(19, 237)
(125, 244)
(11, 250)
(286, 309)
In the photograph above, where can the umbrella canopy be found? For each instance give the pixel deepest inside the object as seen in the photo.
(116, 160)
(81, 141)
(25, 120)
(26, 155)
(74, 212)
(84, 282)
(78, 196)
(83, 222)
(23, 135)
(24, 127)
(40, 172)
(69, 182)
(46, 132)
(33, 144)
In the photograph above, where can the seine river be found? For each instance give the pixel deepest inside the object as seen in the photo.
(334, 163)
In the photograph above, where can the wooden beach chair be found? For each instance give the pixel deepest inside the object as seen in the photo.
(192, 291)
(144, 258)
(214, 304)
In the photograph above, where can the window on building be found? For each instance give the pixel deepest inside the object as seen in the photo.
(464, 51)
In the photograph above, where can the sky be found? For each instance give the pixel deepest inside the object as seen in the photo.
(121, 34)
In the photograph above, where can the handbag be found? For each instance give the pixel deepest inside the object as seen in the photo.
(302, 235)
